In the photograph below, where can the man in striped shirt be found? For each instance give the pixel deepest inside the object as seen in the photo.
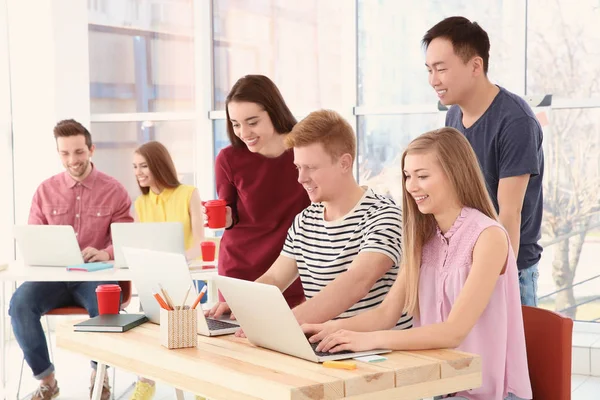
(346, 246)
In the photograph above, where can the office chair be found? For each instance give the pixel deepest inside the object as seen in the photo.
(548, 337)
(76, 310)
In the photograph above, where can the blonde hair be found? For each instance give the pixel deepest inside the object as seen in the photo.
(328, 128)
(460, 165)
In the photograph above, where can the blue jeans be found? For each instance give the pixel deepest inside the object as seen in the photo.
(34, 299)
(528, 284)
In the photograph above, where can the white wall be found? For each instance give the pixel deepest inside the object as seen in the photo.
(49, 80)
(6, 182)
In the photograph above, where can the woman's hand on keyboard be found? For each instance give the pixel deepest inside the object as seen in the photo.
(317, 332)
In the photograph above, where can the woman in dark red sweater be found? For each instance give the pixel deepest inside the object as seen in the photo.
(257, 178)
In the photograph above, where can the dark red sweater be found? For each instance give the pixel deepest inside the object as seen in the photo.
(265, 196)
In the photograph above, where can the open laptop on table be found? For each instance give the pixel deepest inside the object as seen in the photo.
(159, 236)
(48, 245)
(267, 320)
(150, 268)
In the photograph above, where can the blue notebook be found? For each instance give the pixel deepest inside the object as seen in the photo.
(90, 267)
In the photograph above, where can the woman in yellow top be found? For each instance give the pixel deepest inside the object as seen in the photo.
(165, 199)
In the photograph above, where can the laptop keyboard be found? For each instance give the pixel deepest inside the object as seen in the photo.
(325, 353)
(215, 324)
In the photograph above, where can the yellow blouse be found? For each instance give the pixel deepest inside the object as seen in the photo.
(171, 205)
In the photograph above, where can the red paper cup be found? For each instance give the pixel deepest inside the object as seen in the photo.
(208, 250)
(215, 211)
(109, 299)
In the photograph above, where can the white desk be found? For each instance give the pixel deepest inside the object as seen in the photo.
(19, 272)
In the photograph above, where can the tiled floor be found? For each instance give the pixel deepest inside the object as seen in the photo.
(73, 374)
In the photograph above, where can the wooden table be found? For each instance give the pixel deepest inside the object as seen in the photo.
(231, 368)
(17, 271)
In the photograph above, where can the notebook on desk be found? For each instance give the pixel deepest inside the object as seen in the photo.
(90, 267)
(111, 323)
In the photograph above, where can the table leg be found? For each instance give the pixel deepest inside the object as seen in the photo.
(179, 394)
(99, 383)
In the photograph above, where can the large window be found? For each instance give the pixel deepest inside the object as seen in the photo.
(299, 44)
(142, 83)
(391, 61)
(563, 60)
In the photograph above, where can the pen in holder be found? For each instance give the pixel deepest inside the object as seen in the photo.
(178, 328)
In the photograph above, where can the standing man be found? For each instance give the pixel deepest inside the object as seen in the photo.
(89, 201)
(503, 131)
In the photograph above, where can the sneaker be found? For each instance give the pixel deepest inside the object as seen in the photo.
(105, 387)
(143, 391)
(46, 392)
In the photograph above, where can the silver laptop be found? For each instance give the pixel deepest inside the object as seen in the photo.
(150, 268)
(159, 236)
(267, 320)
(48, 245)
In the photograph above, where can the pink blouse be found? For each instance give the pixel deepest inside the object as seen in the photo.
(498, 336)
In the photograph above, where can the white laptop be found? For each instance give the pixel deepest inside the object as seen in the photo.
(267, 320)
(48, 245)
(150, 268)
(159, 236)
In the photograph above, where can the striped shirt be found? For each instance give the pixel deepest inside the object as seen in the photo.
(323, 250)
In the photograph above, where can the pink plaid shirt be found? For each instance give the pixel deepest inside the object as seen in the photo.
(89, 207)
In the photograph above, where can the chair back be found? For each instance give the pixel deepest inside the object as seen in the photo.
(548, 337)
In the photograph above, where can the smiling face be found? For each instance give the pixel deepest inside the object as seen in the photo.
(449, 75)
(251, 123)
(427, 184)
(319, 173)
(75, 155)
(142, 171)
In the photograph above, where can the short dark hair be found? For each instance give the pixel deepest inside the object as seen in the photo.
(70, 127)
(468, 38)
(160, 164)
(260, 90)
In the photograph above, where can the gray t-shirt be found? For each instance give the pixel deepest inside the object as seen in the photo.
(507, 139)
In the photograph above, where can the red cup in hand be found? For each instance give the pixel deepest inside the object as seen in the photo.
(208, 250)
(216, 213)
(109, 299)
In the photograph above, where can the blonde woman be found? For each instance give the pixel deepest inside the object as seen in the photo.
(459, 277)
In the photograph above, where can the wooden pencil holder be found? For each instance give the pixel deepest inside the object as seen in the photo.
(178, 328)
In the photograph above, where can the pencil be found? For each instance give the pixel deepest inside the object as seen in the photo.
(200, 296)
(160, 301)
(186, 296)
(167, 297)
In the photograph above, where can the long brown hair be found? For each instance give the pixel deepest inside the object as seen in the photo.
(460, 165)
(160, 164)
(260, 90)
